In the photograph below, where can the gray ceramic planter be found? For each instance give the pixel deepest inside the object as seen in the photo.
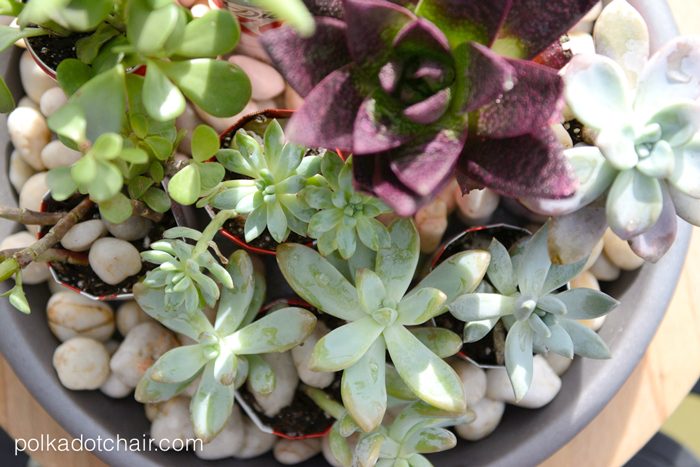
(524, 438)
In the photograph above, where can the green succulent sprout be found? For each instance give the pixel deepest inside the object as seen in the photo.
(539, 318)
(346, 217)
(378, 312)
(180, 275)
(274, 175)
(226, 353)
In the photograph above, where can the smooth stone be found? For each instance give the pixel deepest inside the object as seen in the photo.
(135, 228)
(188, 121)
(256, 442)
(604, 270)
(488, 416)
(114, 260)
(56, 154)
(585, 280)
(292, 452)
(152, 411)
(266, 81)
(477, 206)
(81, 236)
(292, 99)
(558, 362)
(27, 102)
(19, 171)
(580, 43)
(473, 379)
(115, 389)
(129, 315)
(228, 442)
(563, 136)
(34, 273)
(223, 124)
(620, 253)
(70, 315)
(29, 134)
(301, 355)
(431, 222)
(52, 100)
(449, 195)
(186, 3)
(172, 426)
(286, 382)
(545, 386)
(34, 80)
(81, 364)
(32, 195)
(142, 346)
(594, 324)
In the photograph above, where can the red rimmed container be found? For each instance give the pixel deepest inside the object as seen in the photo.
(485, 352)
(273, 425)
(254, 22)
(256, 123)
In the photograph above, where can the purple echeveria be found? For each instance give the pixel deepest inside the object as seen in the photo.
(416, 92)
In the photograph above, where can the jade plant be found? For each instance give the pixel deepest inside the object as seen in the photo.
(345, 216)
(273, 171)
(226, 353)
(418, 91)
(540, 317)
(379, 312)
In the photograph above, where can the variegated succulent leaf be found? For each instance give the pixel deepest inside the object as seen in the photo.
(526, 293)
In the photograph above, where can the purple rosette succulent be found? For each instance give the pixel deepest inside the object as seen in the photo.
(419, 90)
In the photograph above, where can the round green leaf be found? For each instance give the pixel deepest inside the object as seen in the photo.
(148, 28)
(185, 186)
(215, 33)
(205, 143)
(61, 183)
(163, 101)
(116, 210)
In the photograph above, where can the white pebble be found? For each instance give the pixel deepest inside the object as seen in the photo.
(70, 315)
(604, 270)
(580, 43)
(81, 236)
(286, 382)
(477, 206)
(52, 100)
(620, 253)
(130, 314)
(56, 154)
(473, 379)
(228, 442)
(267, 82)
(585, 280)
(32, 195)
(200, 10)
(594, 324)
(595, 254)
(115, 389)
(292, 100)
(558, 362)
(563, 136)
(81, 364)
(172, 426)
(19, 171)
(488, 415)
(34, 80)
(292, 452)
(134, 228)
(27, 102)
(223, 124)
(29, 134)
(34, 273)
(152, 410)
(256, 442)
(545, 386)
(114, 260)
(141, 348)
(301, 355)
(431, 222)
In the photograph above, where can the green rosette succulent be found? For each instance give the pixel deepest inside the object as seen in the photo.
(538, 316)
(226, 353)
(379, 313)
(273, 172)
(345, 217)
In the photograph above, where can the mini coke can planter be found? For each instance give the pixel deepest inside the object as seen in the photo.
(254, 23)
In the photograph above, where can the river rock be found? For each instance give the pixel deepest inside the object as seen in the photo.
(228, 442)
(488, 416)
(585, 280)
(81, 364)
(292, 99)
(620, 253)
(604, 270)
(19, 171)
(56, 154)
(143, 345)
(223, 124)
(301, 355)
(256, 442)
(431, 222)
(477, 206)
(545, 386)
(286, 382)
(114, 260)
(70, 315)
(135, 228)
(172, 427)
(34, 273)
(52, 100)
(32, 195)
(34, 80)
(81, 236)
(558, 362)
(266, 81)
(130, 314)
(292, 452)
(473, 379)
(29, 134)
(115, 389)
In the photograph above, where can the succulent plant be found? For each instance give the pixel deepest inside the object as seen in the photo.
(226, 353)
(538, 316)
(272, 174)
(399, 86)
(645, 113)
(378, 311)
(345, 216)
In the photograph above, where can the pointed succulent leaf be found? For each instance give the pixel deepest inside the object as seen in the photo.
(552, 304)
(653, 244)
(368, 449)
(363, 387)
(235, 301)
(500, 271)
(395, 386)
(587, 225)
(372, 27)
(152, 301)
(587, 303)
(459, 274)
(370, 290)
(318, 282)
(261, 377)
(558, 342)
(344, 346)
(429, 440)
(481, 306)
(559, 275)
(421, 414)
(211, 405)
(428, 376)
(277, 222)
(397, 263)
(587, 343)
(182, 363)
(634, 204)
(518, 353)
(226, 367)
(534, 264)
(346, 241)
(339, 446)
(420, 307)
(149, 390)
(442, 342)
(276, 332)
(474, 331)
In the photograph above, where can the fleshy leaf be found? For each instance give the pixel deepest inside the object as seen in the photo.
(396, 265)
(518, 353)
(275, 332)
(466, 21)
(345, 346)
(211, 405)
(481, 306)
(587, 343)
(688, 208)
(634, 204)
(370, 290)
(477, 330)
(534, 264)
(500, 271)
(363, 387)
(182, 363)
(152, 302)
(429, 440)
(653, 244)
(442, 342)
(149, 390)
(371, 26)
(458, 275)
(420, 307)
(496, 76)
(587, 225)
(587, 303)
(235, 301)
(558, 342)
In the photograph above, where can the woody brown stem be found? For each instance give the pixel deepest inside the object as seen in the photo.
(140, 209)
(34, 252)
(52, 255)
(29, 217)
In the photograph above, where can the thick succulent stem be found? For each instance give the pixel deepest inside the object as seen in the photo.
(29, 217)
(33, 253)
(52, 255)
(324, 402)
(210, 232)
(140, 209)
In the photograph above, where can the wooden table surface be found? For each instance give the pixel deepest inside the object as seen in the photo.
(662, 379)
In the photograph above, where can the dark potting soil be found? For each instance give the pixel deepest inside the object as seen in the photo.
(575, 130)
(83, 277)
(487, 351)
(236, 227)
(52, 49)
(480, 239)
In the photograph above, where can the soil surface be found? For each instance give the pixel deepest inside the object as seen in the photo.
(52, 49)
(487, 351)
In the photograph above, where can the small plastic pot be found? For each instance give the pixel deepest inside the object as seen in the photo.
(92, 287)
(256, 122)
(483, 353)
(266, 424)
